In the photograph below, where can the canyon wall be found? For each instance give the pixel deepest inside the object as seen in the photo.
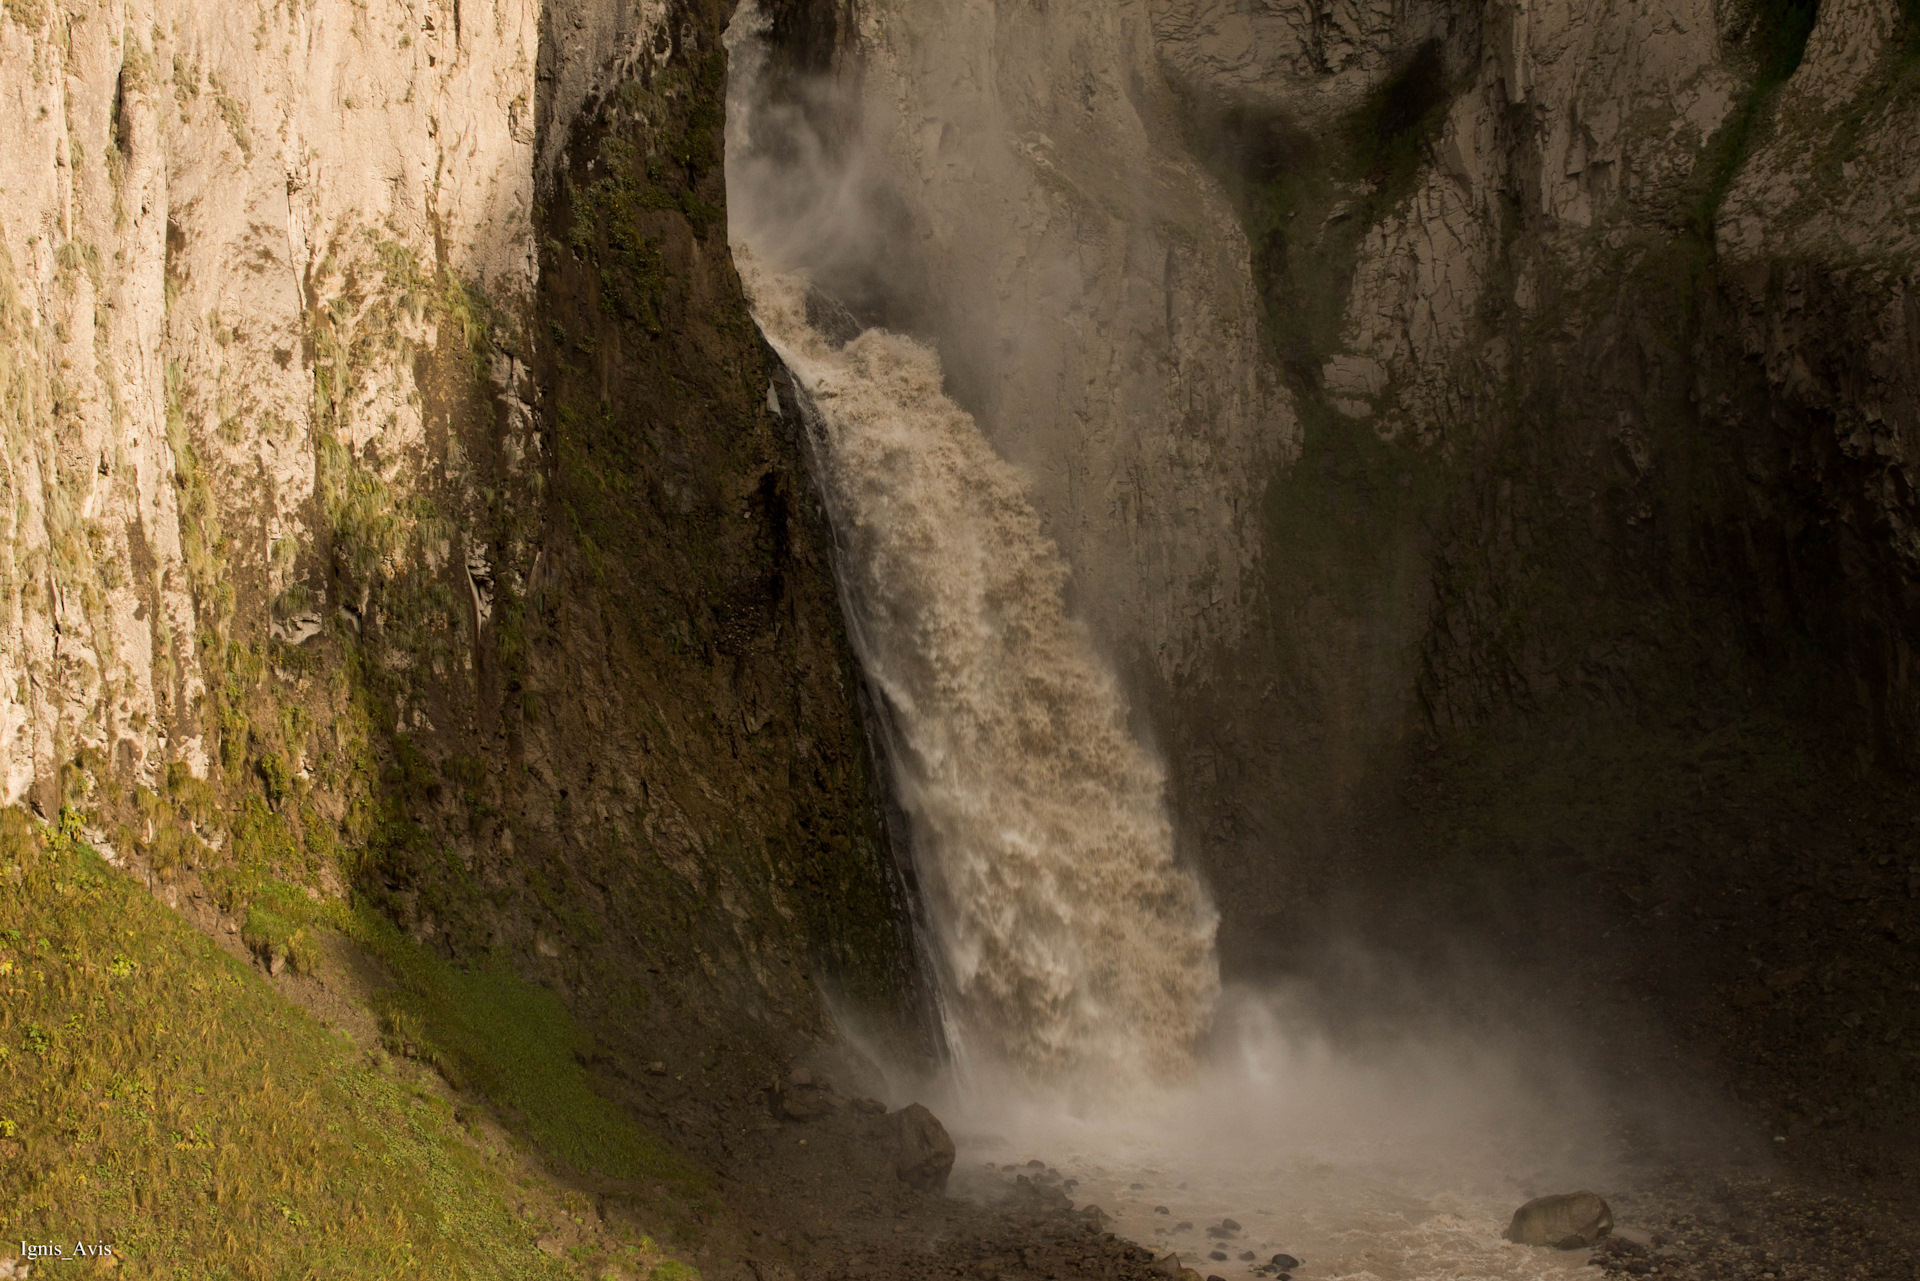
(1010, 182)
(1582, 635)
(394, 506)
(1606, 372)
(1478, 431)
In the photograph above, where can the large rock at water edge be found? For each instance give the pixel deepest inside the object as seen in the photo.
(923, 1152)
(1566, 1221)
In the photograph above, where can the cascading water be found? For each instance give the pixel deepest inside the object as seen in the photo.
(1074, 955)
(1069, 942)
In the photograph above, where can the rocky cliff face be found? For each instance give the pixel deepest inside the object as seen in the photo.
(1545, 550)
(1451, 412)
(1010, 182)
(1604, 367)
(393, 504)
(1584, 605)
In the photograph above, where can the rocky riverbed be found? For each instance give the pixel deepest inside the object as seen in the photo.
(823, 1199)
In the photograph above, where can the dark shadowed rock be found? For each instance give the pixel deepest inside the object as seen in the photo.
(802, 1097)
(923, 1152)
(831, 318)
(1035, 1197)
(1172, 1267)
(1566, 1221)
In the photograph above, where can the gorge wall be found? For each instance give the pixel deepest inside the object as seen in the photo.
(1478, 432)
(394, 508)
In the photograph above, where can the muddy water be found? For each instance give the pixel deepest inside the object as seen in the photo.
(1071, 945)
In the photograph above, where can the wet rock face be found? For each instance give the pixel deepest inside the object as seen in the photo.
(1565, 1221)
(1630, 304)
(1025, 201)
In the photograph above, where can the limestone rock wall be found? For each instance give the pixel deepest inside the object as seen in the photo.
(1598, 322)
(392, 502)
(192, 189)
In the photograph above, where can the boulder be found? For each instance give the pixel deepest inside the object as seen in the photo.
(1565, 1221)
(922, 1150)
(1034, 1197)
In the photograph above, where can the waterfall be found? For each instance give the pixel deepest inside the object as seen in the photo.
(1072, 952)
(1068, 940)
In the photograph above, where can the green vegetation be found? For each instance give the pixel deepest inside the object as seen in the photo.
(234, 113)
(161, 1097)
(515, 1043)
(280, 927)
(31, 14)
(157, 1094)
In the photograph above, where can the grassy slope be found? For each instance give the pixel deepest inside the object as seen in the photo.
(159, 1095)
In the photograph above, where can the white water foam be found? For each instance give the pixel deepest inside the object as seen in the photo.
(1069, 942)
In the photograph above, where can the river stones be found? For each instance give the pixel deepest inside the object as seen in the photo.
(923, 1152)
(1565, 1221)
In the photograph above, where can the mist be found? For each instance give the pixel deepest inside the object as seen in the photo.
(1353, 1114)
